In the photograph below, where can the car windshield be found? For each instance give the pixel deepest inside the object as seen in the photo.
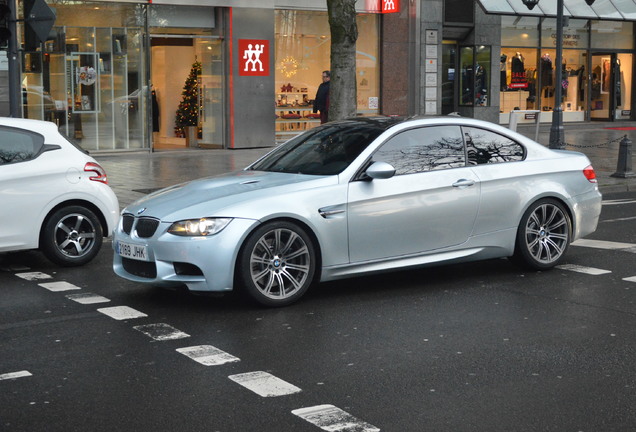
(325, 150)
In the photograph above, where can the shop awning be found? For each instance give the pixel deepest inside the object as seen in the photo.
(624, 10)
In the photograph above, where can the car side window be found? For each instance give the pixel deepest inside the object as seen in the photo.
(485, 147)
(424, 149)
(19, 145)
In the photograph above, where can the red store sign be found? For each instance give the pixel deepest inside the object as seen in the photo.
(253, 57)
(390, 6)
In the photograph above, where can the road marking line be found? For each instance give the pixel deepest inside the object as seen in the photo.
(122, 313)
(600, 244)
(13, 375)
(264, 384)
(87, 298)
(161, 332)
(581, 269)
(630, 279)
(618, 202)
(208, 355)
(33, 276)
(59, 286)
(331, 418)
(619, 219)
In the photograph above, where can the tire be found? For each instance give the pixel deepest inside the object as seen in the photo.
(277, 264)
(544, 235)
(72, 236)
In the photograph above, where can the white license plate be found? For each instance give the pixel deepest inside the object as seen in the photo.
(132, 251)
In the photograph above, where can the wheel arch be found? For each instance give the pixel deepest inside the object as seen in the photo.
(556, 197)
(306, 227)
(75, 202)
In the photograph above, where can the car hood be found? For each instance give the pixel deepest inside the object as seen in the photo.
(210, 196)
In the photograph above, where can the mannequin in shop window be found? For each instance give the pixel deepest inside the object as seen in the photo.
(480, 85)
(617, 83)
(518, 74)
(546, 70)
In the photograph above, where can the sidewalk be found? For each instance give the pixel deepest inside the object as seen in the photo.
(134, 174)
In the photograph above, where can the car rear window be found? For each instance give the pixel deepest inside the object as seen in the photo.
(17, 145)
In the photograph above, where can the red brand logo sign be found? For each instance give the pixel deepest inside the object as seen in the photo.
(390, 6)
(253, 57)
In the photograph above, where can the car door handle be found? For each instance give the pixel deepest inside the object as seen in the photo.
(463, 183)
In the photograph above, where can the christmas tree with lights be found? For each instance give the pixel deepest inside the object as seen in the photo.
(188, 111)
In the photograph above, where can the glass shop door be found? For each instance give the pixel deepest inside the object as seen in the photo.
(449, 74)
(611, 86)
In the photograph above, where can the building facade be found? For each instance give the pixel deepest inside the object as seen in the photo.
(115, 75)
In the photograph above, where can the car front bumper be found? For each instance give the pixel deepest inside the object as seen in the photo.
(204, 263)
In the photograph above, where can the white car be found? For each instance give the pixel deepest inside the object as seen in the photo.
(53, 195)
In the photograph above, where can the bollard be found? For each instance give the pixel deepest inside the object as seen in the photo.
(624, 165)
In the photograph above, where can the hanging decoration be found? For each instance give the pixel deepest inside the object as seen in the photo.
(288, 66)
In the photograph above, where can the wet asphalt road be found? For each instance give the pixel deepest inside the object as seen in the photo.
(473, 347)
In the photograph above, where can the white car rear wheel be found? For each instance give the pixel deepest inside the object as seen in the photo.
(72, 236)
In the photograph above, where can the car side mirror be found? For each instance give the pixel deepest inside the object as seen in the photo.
(380, 170)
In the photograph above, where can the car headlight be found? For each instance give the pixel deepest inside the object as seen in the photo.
(199, 227)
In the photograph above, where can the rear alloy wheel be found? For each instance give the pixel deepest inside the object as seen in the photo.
(277, 264)
(72, 236)
(544, 235)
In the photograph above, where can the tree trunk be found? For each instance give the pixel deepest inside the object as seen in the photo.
(344, 34)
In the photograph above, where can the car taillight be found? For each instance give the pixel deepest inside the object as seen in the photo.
(98, 170)
(589, 174)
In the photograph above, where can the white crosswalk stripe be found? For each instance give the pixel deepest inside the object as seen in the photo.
(59, 286)
(31, 276)
(208, 355)
(14, 375)
(331, 418)
(161, 332)
(264, 384)
(87, 298)
(121, 313)
(600, 244)
(582, 269)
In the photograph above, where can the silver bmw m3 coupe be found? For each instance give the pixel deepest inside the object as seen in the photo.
(360, 196)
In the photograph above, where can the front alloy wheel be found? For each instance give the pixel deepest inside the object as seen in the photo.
(544, 235)
(277, 264)
(72, 236)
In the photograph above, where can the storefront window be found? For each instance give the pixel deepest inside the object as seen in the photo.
(575, 33)
(88, 77)
(612, 34)
(475, 73)
(302, 52)
(518, 78)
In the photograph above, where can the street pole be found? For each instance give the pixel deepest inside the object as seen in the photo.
(557, 139)
(14, 64)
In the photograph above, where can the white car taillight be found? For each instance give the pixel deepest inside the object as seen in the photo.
(98, 170)
(589, 174)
